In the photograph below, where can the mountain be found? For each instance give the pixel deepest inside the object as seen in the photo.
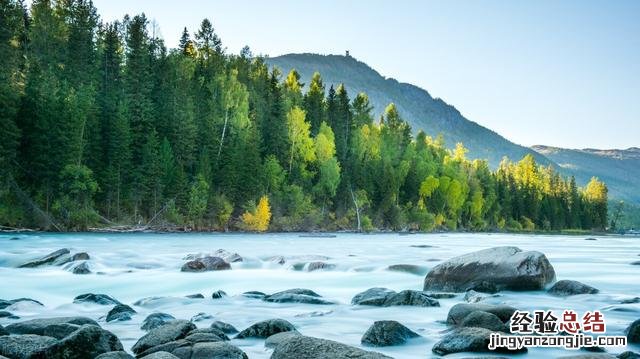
(416, 105)
(619, 169)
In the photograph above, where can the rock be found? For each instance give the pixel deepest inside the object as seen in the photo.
(421, 246)
(316, 348)
(219, 334)
(80, 256)
(275, 340)
(628, 355)
(277, 259)
(471, 296)
(201, 316)
(254, 294)
(37, 326)
(229, 257)
(636, 263)
(296, 295)
(465, 340)
(171, 331)
(120, 312)
(224, 327)
(3, 331)
(633, 300)
(166, 347)
(6, 303)
(82, 268)
(195, 296)
(313, 266)
(160, 355)
(503, 267)
(387, 332)
(442, 295)
(115, 355)
(218, 294)
(87, 342)
(48, 259)
(8, 315)
(408, 268)
(633, 332)
(205, 264)
(383, 297)
(266, 329)
(101, 299)
(24, 346)
(155, 320)
(202, 338)
(458, 312)
(485, 320)
(565, 288)
(60, 330)
(589, 356)
(210, 350)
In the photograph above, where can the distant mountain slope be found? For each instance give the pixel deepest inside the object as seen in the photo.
(619, 169)
(422, 111)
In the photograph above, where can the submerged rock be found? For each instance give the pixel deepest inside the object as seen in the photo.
(171, 331)
(254, 294)
(8, 315)
(224, 327)
(87, 342)
(465, 340)
(195, 296)
(48, 259)
(383, 297)
(633, 332)
(565, 288)
(218, 294)
(266, 328)
(316, 348)
(24, 346)
(82, 268)
(472, 296)
(503, 267)
(6, 303)
(628, 355)
(120, 312)
(101, 299)
(313, 266)
(458, 312)
(155, 320)
(296, 295)
(206, 264)
(386, 333)
(230, 257)
(38, 326)
(408, 268)
(201, 316)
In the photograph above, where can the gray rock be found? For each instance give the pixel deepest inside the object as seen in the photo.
(458, 312)
(120, 312)
(213, 331)
(229, 257)
(485, 320)
(316, 348)
(160, 355)
(633, 332)
(201, 316)
(636, 263)
(441, 295)
(166, 347)
(296, 295)
(372, 296)
(224, 327)
(23, 346)
(633, 300)
(87, 342)
(195, 296)
(218, 294)
(464, 340)
(210, 350)
(101, 299)
(503, 267)
(8, 315)
(3, 331)
(313, 266)
(206, 264)
(48, 259)
(386, 333)
(115, 355)
(628, 355)
(80, 256)
(254, 294)
(82, 268)
(275, 340)
(155, 320)
(60, 330)
(202, 337)
(171, 331)
(471, 296)
(37, 326)
(565, 288)
(5, 303)
(383, 297)
(266, 329)
(408, 268)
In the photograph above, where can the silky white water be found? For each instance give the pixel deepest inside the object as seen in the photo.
(130, 267)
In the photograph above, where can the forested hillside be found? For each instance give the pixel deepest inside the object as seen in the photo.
(102, 125)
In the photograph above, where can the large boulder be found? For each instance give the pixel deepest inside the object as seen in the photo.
(459, 312)
(386, 333)
(120, 312)
(38, 326)
(160, 355)
(316, 348)
(155, 320)
(87, 342)
(82, 268)
(224, 327)
(480, 319)
(115, 355)
(101, 299)
(48, 259)
(266, 328)
(565, 288)
(6, 303)
(23, 346)
(383, 297)
(210, 350)
(465, 340)
(275, 340)
(507, 268)
(296, 295)
(3, 331)
(168, 332)
(633, 332)
(206, 264)
(60, 330)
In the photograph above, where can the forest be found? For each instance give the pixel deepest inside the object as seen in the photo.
(103, 126)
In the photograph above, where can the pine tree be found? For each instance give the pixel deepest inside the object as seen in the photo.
(314, 103)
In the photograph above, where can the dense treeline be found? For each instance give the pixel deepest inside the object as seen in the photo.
(102, 124)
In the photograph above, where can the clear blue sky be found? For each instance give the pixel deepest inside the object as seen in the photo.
(562, 73)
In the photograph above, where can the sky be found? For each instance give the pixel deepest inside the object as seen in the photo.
(561, 73)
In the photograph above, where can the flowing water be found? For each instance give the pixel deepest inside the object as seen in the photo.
(130, 267)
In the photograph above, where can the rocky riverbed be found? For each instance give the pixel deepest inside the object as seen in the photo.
(286, 295)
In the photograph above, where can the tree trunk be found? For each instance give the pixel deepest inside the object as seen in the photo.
(355, 203)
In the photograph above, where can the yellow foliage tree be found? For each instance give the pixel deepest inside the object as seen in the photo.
(259, 219)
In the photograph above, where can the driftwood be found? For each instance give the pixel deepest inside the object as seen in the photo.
(5, 229)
